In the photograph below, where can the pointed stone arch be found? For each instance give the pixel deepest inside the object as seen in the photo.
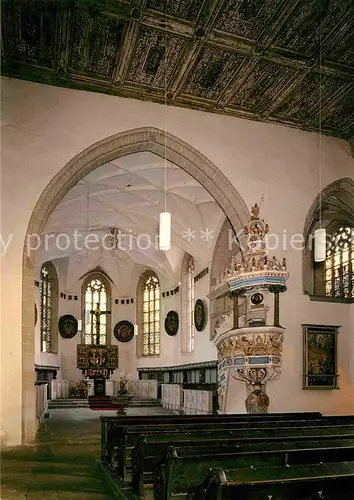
(147, 139)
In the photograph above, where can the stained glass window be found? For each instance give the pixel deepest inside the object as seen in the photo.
(190, 307)
(46, 293)
(95, 316)
(151, 316)
(339, 267)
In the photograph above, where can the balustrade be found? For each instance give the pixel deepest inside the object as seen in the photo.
(41, 401)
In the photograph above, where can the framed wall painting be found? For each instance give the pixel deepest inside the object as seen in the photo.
(320, 357)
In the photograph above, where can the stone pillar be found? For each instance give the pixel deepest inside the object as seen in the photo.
(276, 309)
(235, 310)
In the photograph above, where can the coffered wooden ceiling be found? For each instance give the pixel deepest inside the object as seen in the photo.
(256, 59)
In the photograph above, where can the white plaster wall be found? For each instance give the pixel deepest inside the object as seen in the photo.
(44, 127)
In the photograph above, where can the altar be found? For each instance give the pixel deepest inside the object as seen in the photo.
(93, 390)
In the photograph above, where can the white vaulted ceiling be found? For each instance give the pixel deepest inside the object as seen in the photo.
(129, 193)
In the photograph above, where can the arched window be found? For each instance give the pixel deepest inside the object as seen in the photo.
(331, 280)
(188, 304)
(340, 264)
(96, 295)
(48, 308)
(148, 303)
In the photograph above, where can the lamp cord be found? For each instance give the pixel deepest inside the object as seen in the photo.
(320, 131)
(88, 207)
(165, 110)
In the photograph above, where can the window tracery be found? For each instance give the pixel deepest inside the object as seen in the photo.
(151, 316)
(96, 305)
(339, 265)
(48, 307)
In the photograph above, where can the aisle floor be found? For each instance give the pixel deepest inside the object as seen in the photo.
(62, 464)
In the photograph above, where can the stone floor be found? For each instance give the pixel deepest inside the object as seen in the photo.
(62, 465)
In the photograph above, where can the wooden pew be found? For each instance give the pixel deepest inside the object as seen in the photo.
(119, 434)
(149, 452)
(176, 475)
(264, 431)
(114, 430)
(330, 481)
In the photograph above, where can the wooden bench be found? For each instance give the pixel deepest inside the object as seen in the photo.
(122, 435)
(149, 452)
(114, 429)
(176, 475)
(109, 423)
(225, 433)
(331, 481)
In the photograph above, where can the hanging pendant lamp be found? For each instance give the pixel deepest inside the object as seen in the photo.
(165, 231)
(320, 245)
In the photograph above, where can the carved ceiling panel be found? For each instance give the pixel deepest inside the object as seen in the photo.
(342, 118)
(269, 60)
(155, 57)
(270, 77)
(247, 18)
(302, 30)
(29, 33)
(343, 50)
(213, 69)
(305, 102)
(96, 41)
(183, 9)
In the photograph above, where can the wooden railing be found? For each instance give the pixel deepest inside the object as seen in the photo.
(197, 402)
(59, 389)
(172, 397)
(146, 389)
(186, 401)
(41, 401)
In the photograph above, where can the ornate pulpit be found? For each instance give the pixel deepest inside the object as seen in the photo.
(247, 332)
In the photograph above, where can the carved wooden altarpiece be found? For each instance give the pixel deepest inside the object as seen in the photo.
(97, 361)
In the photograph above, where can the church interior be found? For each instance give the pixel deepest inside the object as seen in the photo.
(177, 249)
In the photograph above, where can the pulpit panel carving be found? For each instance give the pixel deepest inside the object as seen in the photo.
(222, 315)
(257, 344)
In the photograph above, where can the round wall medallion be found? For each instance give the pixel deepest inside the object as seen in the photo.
(257, 298)
(199, 315)
(124, 331)
(68, 326)
(171, 323)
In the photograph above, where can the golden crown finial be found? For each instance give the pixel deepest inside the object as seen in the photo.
(255, 212)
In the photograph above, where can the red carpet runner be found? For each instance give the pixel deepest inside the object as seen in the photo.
(101, 403)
